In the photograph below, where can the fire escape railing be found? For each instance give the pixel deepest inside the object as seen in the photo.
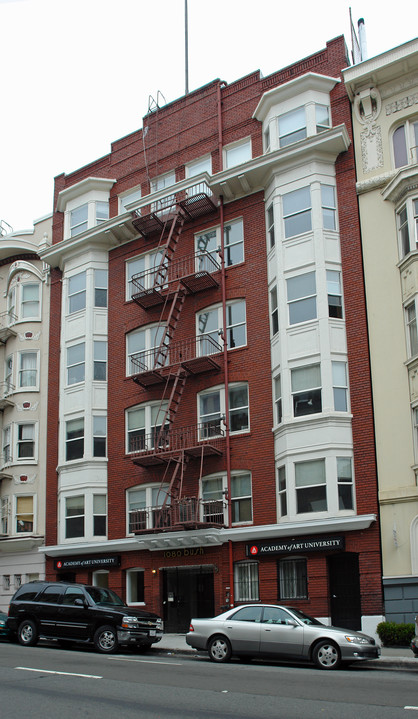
(178, 353)
(163, 441)
(181, 512)
(163, 276)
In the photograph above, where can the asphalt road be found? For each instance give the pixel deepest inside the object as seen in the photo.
(46, 681)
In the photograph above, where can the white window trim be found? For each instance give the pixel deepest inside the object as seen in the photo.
(29, 388)
(15, 433)
(15, 309)
(129, 574)
(14, 514)
(87, 494)
(218, 241)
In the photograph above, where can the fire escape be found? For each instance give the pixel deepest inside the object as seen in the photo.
(172, 362)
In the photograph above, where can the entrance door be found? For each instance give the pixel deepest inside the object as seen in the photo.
(344, 587)
(187, 592)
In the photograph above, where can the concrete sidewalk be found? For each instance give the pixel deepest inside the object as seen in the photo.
(392, 657)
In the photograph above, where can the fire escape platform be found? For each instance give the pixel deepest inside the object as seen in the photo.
(193, 282)
(153, 458)
(154, 222)
(174, 442)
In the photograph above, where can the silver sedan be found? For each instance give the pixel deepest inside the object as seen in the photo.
(269, 630)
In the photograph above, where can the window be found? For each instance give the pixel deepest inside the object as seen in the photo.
(135, 586)
(126, 199)
(28, 373)
(293, 582)
(311, 490)
(213, 499)
(204, 164)
(411, 324)
(74, 444)
(209, 324)
(102, 211)
(405, 143)
(99, 436)
(246, 587)
(270, 226)
(8, 374)
(306, 390)
(329, 207)
(301, 297)
(18, 581)
(79, 220)
(267, 139)
(74, 517)
(297, 212)
(141, 348)
(212, 410)
(407, 221)
(322, 117)
(99, 515)
(147, 264)
(292, 127)
(24, 514)
(30, 301)
(100, 361)
(25, 441)
(403, 230)
(278, 398)
(76, 363)
(161, 183)
(210, 242)
(345, 483)
(6, 582)
(237, 153)
(340, 386)
(274, 311)
(77, 292)
(335, 300)
(7, 455)
(145, 507)
(100, 288)
(4, 515)
(282, 491)
(241, 498)
(144, 425)
(23, 302)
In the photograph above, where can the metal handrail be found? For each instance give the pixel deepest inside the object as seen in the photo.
(177, 352)
(185, 510)
(173, 440)
(165, 274)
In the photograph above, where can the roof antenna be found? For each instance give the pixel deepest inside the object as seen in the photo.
(186, 48)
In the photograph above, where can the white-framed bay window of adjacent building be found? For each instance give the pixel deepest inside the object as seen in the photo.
(24, 513)
(407, 225)
(315, 485)
(28, 370)
(141, 347)
(211, 410)
(210, 324)
(405, 143)
(297, 212)
(209, 242)
(411, 328)
(214, 490)
(306, 389)
(24, 301)
(83, 515)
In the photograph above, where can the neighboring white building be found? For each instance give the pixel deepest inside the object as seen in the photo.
(24, 335)
(384, 95)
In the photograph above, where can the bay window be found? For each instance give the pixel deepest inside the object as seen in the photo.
(311, 489)
(100, 361)
(77, 292)
(340, 386)
(74, 517)
(335, 300)
(412, 331)
(270, 226)
(329, 207)
(407, 225)
(306, 390)
(405, 143)
(28, 370)
(24, 302)
(99, 515)
(99, 435)
(274, 311)
(297, 212)
(25, 441)
(345, 483)
(278, 399)
(87, 215)
(100, 288)
(24, 514)
(282, 491)
(301, 298)
(74, 442)
(76, 363)
(292, 126)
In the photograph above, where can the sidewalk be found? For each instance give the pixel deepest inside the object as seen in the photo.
(391, 658)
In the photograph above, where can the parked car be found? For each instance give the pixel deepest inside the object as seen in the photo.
(414, 646)
(4, 629)
(272, 631)
(80, 613)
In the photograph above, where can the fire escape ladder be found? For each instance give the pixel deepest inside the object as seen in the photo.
(175, 487)
(169, 247)
(161, 353)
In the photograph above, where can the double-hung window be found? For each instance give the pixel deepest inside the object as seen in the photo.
(7, 451)
(335, 300)
(237, 153)
(407, 221)
(278, 399)
(25, 441)
(311, 488)
(99, 435)
(141, 348)
(100, 288)
(412, 331)
(274, 311)
(345, 483)
(213, 499)
(340, 386)
(212, 410)
(141, 272)
(405, 143)
(144, 426)
(241, 498)
(282, 490)
(79, 220)
(8, 374)
(77, 292)
(4, 515)
(28, 370)
(203, 164)
(301, 297)
(246, 584)
(100, 360)
(329, 207)
(74, 517)
(306, 390)
(270, 226)
(292, 126)
(74, 442)
(209, 242)
(99, 515)
(161, 183)
(297, 212)
(24, 514)
(30, 305)
(144, 505)
(322, 118)
(209, 325)
(76, 364)
(129, 197)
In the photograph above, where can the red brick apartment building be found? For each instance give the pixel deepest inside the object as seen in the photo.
(210, 432)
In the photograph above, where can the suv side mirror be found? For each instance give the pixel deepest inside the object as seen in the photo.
(80, 602)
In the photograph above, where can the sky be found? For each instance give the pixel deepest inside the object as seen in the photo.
(76, 75)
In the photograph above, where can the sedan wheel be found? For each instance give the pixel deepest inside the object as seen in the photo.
(106, 640)
(326, 655)
(27, 633)
(219, 649)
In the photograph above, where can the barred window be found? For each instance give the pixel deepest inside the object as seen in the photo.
(293, 581)
(246, 588)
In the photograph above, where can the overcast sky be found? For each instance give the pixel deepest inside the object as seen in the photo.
(78, 74)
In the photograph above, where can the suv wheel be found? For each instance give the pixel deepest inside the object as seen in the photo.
(27, 633)
(106, 639)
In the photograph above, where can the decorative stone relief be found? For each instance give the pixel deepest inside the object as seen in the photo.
(408, 101)
(367, 105)
(27, 406)
(371, 148)
(25, 336)
(24, 478)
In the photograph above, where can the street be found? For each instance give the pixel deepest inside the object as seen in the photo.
(48, 681)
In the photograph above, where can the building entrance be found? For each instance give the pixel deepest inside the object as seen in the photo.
(187, 592)
(344, 588)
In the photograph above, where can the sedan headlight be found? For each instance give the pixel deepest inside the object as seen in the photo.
(356, 640)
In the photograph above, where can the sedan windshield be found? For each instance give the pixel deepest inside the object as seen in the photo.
(104, 596)
(305, 618)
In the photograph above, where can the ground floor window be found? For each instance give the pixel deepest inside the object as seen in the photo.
(292, 579)
(246, 585)
(135, 586)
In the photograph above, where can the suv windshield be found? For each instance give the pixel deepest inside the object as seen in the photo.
(305, 618)
(103, 596)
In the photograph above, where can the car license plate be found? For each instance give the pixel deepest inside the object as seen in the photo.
(152, 633)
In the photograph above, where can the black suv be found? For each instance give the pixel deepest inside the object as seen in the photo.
(80, 613)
